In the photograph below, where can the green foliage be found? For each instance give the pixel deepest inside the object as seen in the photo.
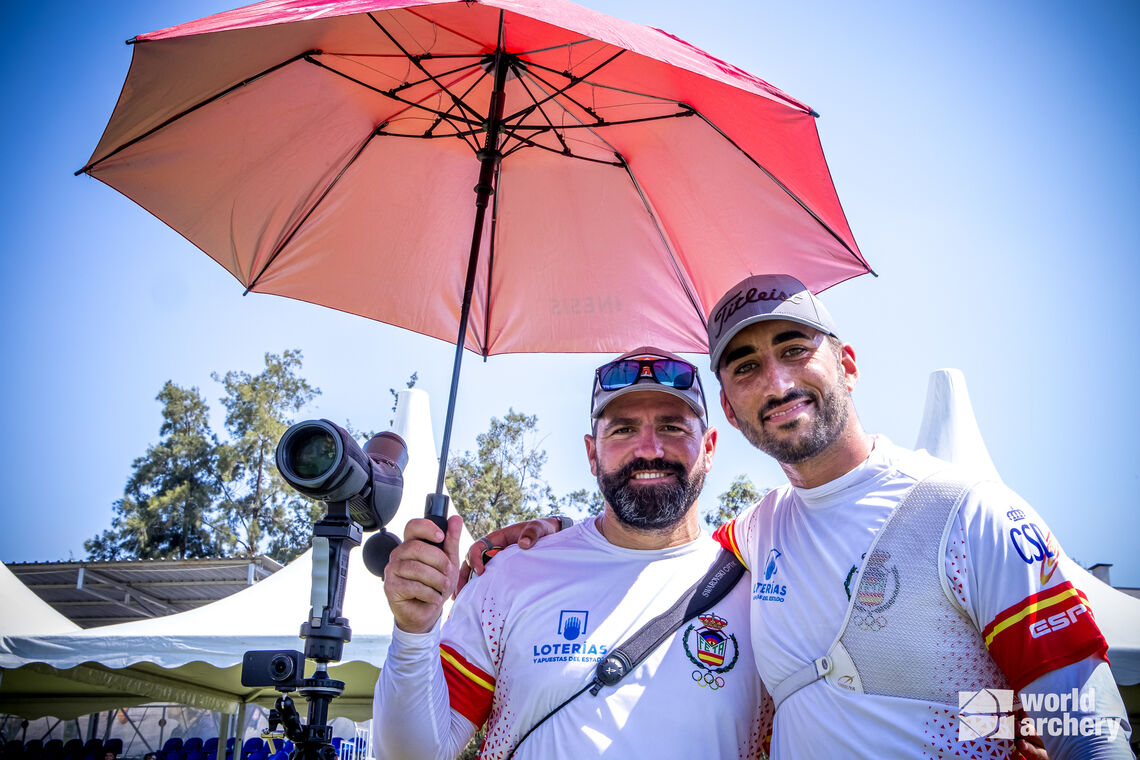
(191, 496)
(471, 751)
(261, 513)
(396, 396)
(501, 483)
(741, 493)
(583, 502)
(167, 503)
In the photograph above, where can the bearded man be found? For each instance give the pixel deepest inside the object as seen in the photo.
(524, 638)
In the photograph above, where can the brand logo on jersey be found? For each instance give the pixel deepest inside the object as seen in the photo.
(713, 646)
(1032, 545)
(572, 623)
(1057, 622)
(573, 626)
(1015, 515)
(770, 566)
(766, 590)
(877, 590)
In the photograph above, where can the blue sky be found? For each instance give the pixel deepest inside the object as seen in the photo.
(985, 154)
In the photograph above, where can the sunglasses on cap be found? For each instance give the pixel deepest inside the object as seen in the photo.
(625, 372)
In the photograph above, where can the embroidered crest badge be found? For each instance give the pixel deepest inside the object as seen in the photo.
(713, 648)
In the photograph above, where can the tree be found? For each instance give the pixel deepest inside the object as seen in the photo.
(165, 511)
(260, 511)
(501, 483)
(741, 493)
(587, 501)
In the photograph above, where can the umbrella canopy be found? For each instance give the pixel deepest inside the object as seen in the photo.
(327, 151)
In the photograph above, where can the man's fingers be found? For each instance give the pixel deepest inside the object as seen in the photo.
(423, 529)
(451, 543)
(536, 529)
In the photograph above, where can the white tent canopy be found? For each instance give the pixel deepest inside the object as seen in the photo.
(24, 612)
(194, 657)
(950, 431)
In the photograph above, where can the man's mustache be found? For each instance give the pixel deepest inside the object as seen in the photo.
(625, 474)
(794, 394)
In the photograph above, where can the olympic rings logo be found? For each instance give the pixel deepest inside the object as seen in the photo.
(870, 622)
(706, 678)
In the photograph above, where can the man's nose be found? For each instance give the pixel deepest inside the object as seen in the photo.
(649, 445)
(779, 380)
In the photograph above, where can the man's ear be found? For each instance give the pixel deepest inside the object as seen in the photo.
(729, 413)
(709, 448)
(850, 369)
(592, 453)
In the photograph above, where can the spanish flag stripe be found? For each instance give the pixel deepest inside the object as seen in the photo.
(456, 661)
(725, 535)
(1035, 604)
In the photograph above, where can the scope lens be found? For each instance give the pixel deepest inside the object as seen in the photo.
(314, 455)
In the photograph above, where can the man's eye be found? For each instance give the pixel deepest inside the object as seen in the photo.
(744, 368)
(794, 351)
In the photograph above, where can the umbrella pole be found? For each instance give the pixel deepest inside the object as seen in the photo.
(489, 158)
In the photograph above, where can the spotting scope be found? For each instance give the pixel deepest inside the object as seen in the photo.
(322, 461)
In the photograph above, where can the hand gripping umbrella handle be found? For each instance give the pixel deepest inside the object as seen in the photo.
(436, 511)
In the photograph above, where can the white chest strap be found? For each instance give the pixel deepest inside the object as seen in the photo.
(837, 667)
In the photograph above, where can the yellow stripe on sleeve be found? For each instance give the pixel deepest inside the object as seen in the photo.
(1029, 609)
(462, 668)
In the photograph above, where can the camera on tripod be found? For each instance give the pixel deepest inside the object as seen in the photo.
(361, 489)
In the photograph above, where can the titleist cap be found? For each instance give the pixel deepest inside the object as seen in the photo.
(759, 298)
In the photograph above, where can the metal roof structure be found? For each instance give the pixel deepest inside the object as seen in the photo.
(93, 593)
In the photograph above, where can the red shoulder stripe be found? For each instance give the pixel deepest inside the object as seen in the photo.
(469, 689)
(725, 535)
(1044, 631)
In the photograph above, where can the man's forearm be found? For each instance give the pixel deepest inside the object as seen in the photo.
(1095, 728)
(412, 719)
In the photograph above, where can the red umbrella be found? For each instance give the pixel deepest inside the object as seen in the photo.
(327, 151)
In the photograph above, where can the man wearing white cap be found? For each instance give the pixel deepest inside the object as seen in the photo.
(898, 603)
(523, 641)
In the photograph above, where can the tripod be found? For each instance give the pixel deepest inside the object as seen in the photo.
(325, 634)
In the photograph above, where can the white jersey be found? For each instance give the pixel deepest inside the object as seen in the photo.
(804, 548)
(529, 632)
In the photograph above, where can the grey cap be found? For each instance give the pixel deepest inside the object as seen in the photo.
(693, 395)
(759, 298)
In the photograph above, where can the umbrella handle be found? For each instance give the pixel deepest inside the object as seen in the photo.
(436, 511)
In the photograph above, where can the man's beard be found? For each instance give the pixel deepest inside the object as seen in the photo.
(651, 507)
(832, 411)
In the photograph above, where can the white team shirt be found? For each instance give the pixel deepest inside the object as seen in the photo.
(529, 632)
(804, 547)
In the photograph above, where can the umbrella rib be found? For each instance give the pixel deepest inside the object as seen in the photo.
(300, 222)
(541, 110)
(528, 143)
(387, 93)
(562, 90)
(620, 122)
(785, 188)
(195, 107)
(685, 282)
(449, 72)
(415, 61)
(462, 133)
